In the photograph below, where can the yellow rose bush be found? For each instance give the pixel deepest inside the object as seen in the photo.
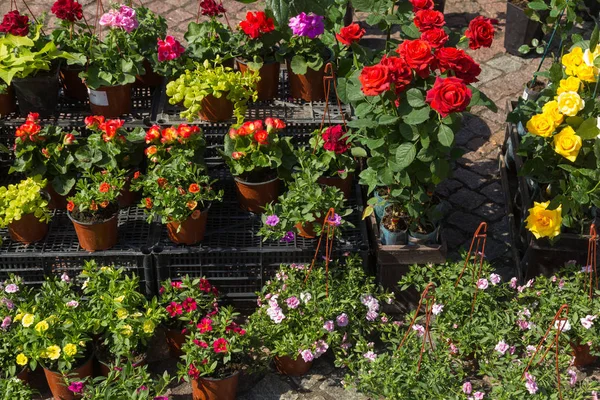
(567, 144)
(542, 222)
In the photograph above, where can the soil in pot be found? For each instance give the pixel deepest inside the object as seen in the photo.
(268, 86)
(98, 230)
(8, 104)
(111, 101)
(72, 84)
(255, 191)
(38, 93)
(214, 109)
(345, 184)
(533, 90)
(192, 229)
(424, 235)
(28, 229)
(56, 382)
(215, 389)
(292, 367)
(393, 229)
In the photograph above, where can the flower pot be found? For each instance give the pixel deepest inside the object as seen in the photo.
(110, 101)
(57, 201)
(417, 238)
(175, 340)
(23, 376)
(150, 79)
(94, 236)
(215, 389)
(345, 185)
(306, 230)
(292, 367)
(214, 109)
(520, 29)
(192, 230)
(308, 87)
(73, 86)
(390, 238)
(28, 229)
(582, 355)
(127, 196)
(380, 208)
(439, 5)
(57, 384)
(38, 93)
(254, 196)
(7, 102)
(268, 86)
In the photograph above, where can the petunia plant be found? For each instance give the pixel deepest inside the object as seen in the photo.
(95, 197)
(16, 389)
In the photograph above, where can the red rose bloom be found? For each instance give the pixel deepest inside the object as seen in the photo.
(257, 23)
(436, 37)
(261, 136)
(400, 73)
(429, 19)
(459, 62)
(350, 34)
(93, 121)
(375, 80)
(15, 24)
(417, 54)
(104, 187)
(422, 5)
(480, 32)
(448, 95)
(220, 345)
(334, 141)
(68, 10)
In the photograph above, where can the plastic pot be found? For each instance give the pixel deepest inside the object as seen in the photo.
(306, 230)
(57, 384)
(215, 389)
(57, 201)
(292, 367)
(308, 87)
(96, 236)
(582, 355)
(192, 230)
(110, 101)
(390, 238)
(520, 29)
(7, 102)
(214, 109)
(72, 84)
(254, 196)
(380, 208)
(127, 197)
(439, 5)
(345, 185)
(175, 340)
(424, 238)
(268, 86)
(150, 79)
(38, 93)
(28, 229)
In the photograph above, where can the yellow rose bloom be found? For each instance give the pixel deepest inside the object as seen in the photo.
(542, 222)
(551, 109)
(22, 359)
(567, 144)
(571, 84)
(27, 320)
(126, 330)
(70, 349)
(572, 60)
(122, 313)
(41, 326)
(541, 125)
(52, 352)
(586, 73)
(119, 299)
(148, 326)
(570, 103)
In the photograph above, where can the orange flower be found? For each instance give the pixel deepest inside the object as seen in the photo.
(149, 203)
(196, 214)
(153, 134)
(274, 123)
(168, 135)
(104, 187)
(151, 151)
(28, 130)
(70, 206)
(185, 131)
(136, 174)
(194, 188)
(45, 152)
(161, 182)
(192, 204)
(94, 121)
(93, 206)
(104, 204)
(110, 128)
(261, 136)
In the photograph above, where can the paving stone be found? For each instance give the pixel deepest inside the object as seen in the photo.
(467, 223)
(271, 387)
(335, 389)
(470, 179)
(476, 144)
(454, 237)
(463, 136)
(487, 74)
(499, 230)
(490, 211)
(487, 167)
(448, 186)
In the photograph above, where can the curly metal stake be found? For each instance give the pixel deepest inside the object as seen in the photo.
(330, 232)
(555, 343)
(591, 259)
(481, 239)
(328, 78)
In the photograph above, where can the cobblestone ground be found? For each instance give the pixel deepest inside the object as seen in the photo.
(475, 190)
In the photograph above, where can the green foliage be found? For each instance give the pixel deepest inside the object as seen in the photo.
(76, 39)
(16, 389)
(306, 53)
(210, 40)
(122, 151)
(96, 191)
(332, 163)
(283, 10)
(151, 27)
(24, 198)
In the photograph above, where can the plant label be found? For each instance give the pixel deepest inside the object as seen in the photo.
(98, 98)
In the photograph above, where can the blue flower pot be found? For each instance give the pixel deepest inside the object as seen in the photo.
(389, 238)
(430, 238)
(380, 208)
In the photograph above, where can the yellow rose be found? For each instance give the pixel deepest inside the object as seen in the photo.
(570, 103)
(543, 222)
(586, 73)
(572, 60)
(551, 110)
(52, 352)
(571, 84)
(119, 299)
(22, 359)
(126, 330)
(567, 144)
(148, 326)
(27, 320)
(122, 313)
(41, 326)
(541, 125)
(589, 56)
(70, 349)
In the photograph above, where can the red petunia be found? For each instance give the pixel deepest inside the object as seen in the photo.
(15, 24)
(68, 10)
(189, 305)
(174, 309)
(257, 23)
(205, 325)
(220, 345)
(350, 34)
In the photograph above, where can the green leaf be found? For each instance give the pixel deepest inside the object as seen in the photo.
(588, 129)
(594, 37)
(388, 119)
(537, 5)
(411, 31)
(63, 184)
(417, 116)
(405, 154)
(524, 49)
(480, 99)
(372, 6)
(445, 135)
(358, 152)
(415, 98)
(362, 123)
(299, 65)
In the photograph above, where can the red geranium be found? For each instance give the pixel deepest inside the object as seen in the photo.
(169, 49)
(480, 32)
(334, 140)
(375, 80)
(400, 73)
(456, 60)
(68, 10)
(422, 5)
(257, 23)
(211, 8)
(417, 54)
(448, 95)
(429, 19)
(15, 24)
(350, 34)
(436, 37)
(220, 345)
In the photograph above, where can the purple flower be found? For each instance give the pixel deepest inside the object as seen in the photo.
(9, 304)
(321, 348)
(127, 11)
(478, 395)
(369, 355)
(523, 324)
(329, 326)
(501, 347)
(482, 283)
(288, 237)
(293, 302)
(272, 220)
(495, 279)
(72, 303)
(76, 387)
(572, 377)
(310, 25)
(65, 278)
(11, 288)
(467, 388)
(419, 329)
(453, 349)
(588, 321)
(307, 355)
(6, 322)
(342, 319)
(513, 283)
(161, 398)
(372, 315)
(530, 384)
(336, 220)
(142, 388)
(437, 309)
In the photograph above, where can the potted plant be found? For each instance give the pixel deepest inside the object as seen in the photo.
(113, 65)
(94, 209)
(393, 228)
(307, 57)
(522, 29)
(47, 151)
(185, 302)
(175, 142)
(213, 92)
(24, 209)
(16, 389)
(151, 28)
(257, 46)
(172, 59)
(7, 100)
(302, 209)
(257, 157)
(214, 355)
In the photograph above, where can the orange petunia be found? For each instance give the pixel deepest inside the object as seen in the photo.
(104, 187)
(70, 206)
(194, 188)
(192, 204)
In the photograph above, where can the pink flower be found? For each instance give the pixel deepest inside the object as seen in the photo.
(189, 305)
(512, 350)
(523, 324)
(513, 283)
(65, 278)
(572, 377)
(169, 49)
(307, 355)
(436, 309)
(174, 309)
(495, 279)
(530, 384)
(527, 285)
(108, 19)
(561, 283)
(478, 395)
(342, 319)
(453, 349)
(372, 315)
(72, 303)
(329, 327)
(588, 321)
(501, 347)
(321, 348)
(419, 329)
(76, 387)
(467, 388)
(482, 283)
(594, 395)
(293, 302)
(11, 288)
(6, 322)
(369, 355)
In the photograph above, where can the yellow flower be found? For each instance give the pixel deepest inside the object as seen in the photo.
(543, 222)
(551, 110)
(571, 84)
(126, 330)
(22, 359)
(589, 56)
(570, 103)
(52, 352)
(148, 326)
(567, 143)
(586, 73)
(119, 299)
(541, 125)
(572, 60)
(18, 317)
(41, 326)
(70, 349)
(27, 320)
(122, 313)
(136, 314)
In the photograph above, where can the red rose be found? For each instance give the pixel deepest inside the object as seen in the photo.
(15, 24)
(422, 5)
(436, 37)
(456, 60)
(375, 80)
(69, 10)
(429, 19)
(257, 23)
(417, 54)
(350, 34)
(448, 95)
(480, 32)
(261, 136)
(335, 140)
(400, 73)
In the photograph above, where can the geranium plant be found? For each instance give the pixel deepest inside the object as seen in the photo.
(305, 47)
(258, 39)
(95, 197)
(210, 40)
(171, 58)
(183, 142)
(73, 34)
(24, 198)
(150, 27)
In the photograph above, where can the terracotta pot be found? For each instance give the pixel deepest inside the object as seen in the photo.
(149, 79)
(175, 340)
(8, 105)
(345, 185)
(268, 86)
(254, 196)
(582, 355)
(96, 236)
(192, 230)
(57, 201)
(216, 110)
(308, 87)
(288, 366)
(306, 230)
(73, 85)
(111, 101)
(56, 382)
(215, 389)
(127, 196)
(28, 229)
